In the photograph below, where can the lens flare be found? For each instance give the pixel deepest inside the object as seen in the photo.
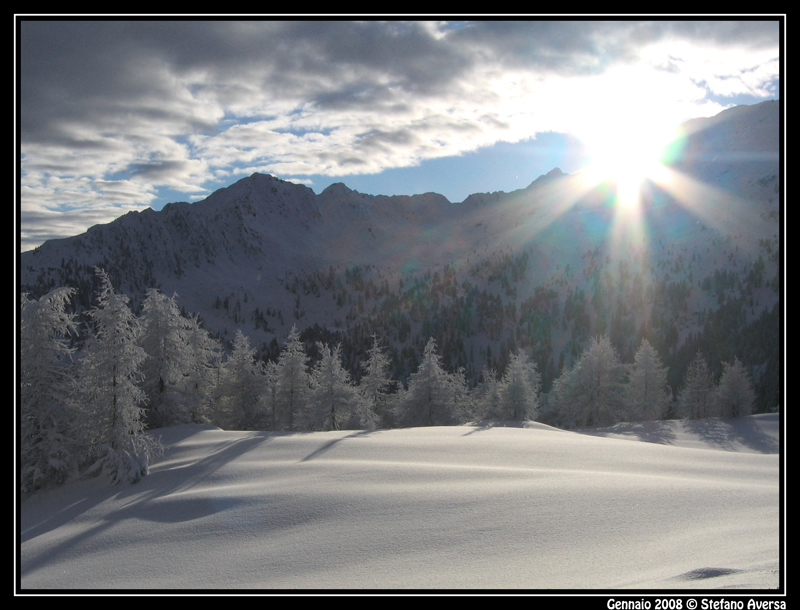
(626, 158)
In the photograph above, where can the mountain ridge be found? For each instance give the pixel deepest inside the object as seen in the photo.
(540, 267)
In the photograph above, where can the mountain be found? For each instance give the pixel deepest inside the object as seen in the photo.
(542, 268)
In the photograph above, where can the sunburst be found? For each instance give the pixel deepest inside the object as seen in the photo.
(626, 157)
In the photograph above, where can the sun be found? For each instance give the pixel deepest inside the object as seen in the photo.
(626, 154)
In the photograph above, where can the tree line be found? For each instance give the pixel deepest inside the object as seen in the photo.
(85, 410)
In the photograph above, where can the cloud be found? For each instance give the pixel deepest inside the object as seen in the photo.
(178, 104)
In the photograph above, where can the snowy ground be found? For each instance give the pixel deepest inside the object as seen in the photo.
(660, 505)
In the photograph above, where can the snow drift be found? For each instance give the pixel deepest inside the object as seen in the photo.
(481, 506)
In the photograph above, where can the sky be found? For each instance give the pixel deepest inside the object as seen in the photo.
(122, 115)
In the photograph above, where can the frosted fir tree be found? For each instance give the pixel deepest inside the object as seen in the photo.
(589, 394)
(461, 405)
(47, 453)
(109, 402)
(333, 400)
(291, 384)
(519, 389)
(646, 393)
(697, 399)
(374, 385)
(239, 395)
(271, 370)
(559, 409)
(165, 339)
(735, 395)
(486, 395)
(433, 397)
(203, 372)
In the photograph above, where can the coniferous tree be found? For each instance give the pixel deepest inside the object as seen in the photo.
(486, 395)
(375, 382)
(109, 401)
(240, 391)
(589, 394)
(165, 334)
(735, 395)
(333, 400)
(646, 393)
(47, 454)
(558, 409)
(697, 399)
(461, 405)
(203, 370)
(433, 397)
(270, 384)
(519, 389)
(291, 384)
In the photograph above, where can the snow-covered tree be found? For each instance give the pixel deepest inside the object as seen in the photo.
(486, 396)
(519, 389)
(434, 397)
(697, 399)
(559, 410)
(165, 339)
(735, 395)
(589, 394)
(291, 384)
(109, 402)
(202, 374)
(461, 408)
(240, 393)
(47, 455)
(271, 371)
(646, 393)
(333, 400)
(375, 382)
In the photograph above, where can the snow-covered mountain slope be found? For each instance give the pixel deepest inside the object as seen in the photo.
(542, 268)
(459, 507)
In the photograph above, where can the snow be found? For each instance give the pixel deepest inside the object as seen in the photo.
(660, 505)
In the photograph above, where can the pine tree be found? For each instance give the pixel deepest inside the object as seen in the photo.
(461, 406)
(375, 383)
(47, 454)
(558, 410)
(240, 392)
(519, 389)
(697, 399)
(433, 397)
(291, 384)
(735, 395)
(589, 394)
(486, 395)
(333, 400)
(646, 392)
(271, 371)
(165, 340)
(109, 401)
(203, 370)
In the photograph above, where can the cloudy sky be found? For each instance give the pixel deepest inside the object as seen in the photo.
(121, 115)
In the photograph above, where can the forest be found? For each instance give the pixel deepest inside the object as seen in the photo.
(91, 386)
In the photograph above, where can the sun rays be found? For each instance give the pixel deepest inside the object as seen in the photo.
(627, 151)
(645, 181)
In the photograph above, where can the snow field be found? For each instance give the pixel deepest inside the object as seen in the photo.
(458, 508)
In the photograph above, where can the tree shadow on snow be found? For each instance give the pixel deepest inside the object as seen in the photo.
(713, 432)
(732, 434)
(333, 442)
(488, 424)
(160, 482)
(142, 495)
(660, 432)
